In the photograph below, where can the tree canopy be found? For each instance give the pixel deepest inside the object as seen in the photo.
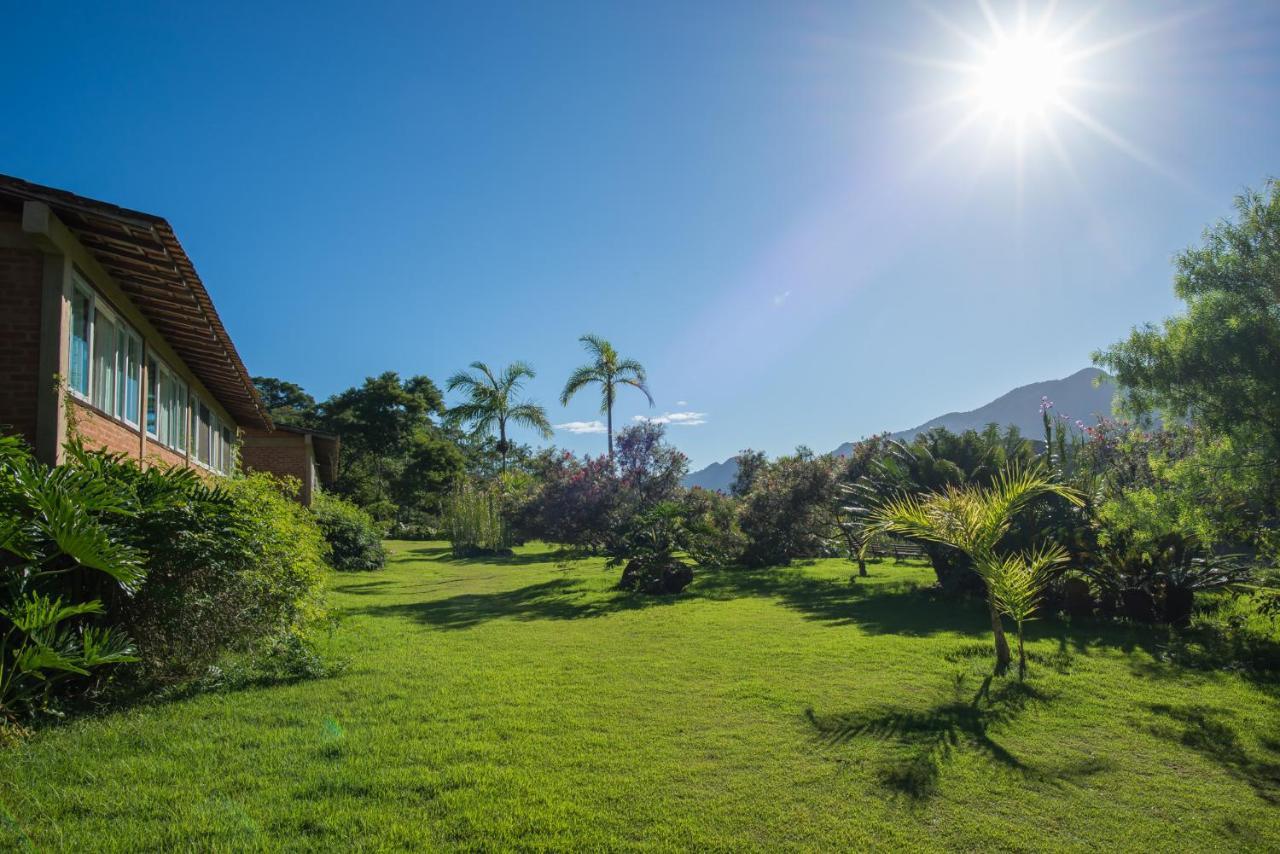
(1219, 362)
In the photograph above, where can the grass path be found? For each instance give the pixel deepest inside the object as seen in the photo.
(524, 704)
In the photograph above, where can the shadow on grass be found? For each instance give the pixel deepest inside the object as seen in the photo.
(558, 599)
(926, 741)
(365, 588)
(444, 554)
(1207, 732)
(893, 607)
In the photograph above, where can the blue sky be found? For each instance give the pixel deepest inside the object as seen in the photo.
(768, 204)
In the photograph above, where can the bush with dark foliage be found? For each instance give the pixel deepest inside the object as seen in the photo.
(354, 538)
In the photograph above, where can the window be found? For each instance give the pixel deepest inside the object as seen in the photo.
(166, 406)
(178, 415)
(204, 425)
(153, 398)
(105, 358)
(129, 353)
(103, 389)
(81, 309)
(228, 447)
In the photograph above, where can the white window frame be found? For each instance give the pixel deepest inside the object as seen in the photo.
(166, 417)
(79, 289)
(117, 395)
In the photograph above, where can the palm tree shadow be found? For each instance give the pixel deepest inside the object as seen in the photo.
(926, 741)
(1207, 732)
(893, 607)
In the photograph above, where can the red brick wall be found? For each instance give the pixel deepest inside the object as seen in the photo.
(100, 431)
(21, 278)
(280, 454)
(159, 455)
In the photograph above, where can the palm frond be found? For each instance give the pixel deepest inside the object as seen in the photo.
(578, 380)
(533, 416)
(600, 348)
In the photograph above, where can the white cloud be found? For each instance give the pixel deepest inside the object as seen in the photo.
(582, 426)
(779, 299)
(676, 419)
(682, 403)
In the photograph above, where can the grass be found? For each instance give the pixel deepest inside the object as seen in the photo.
(522, 703)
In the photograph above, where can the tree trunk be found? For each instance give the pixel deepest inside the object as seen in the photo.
(502, 444)
(1022, 656)
(1002, 643)
(609, 417)
(862, 567)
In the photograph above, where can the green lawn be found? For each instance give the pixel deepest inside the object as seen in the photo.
(523, 703)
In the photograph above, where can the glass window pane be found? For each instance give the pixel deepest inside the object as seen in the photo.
(179, 436)
(79, 367)
(204, 448)
(228, 444)
(122, 370)
(104, 362)
(153, 398)
(133, 380)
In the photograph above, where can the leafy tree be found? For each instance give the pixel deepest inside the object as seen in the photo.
(975, 519)
(608, 371)
(750, 463)
(491, 403)
(1218, 361)
(287, 402)
(788, 512)
(649, 468)
(396, 459)
(857, 490)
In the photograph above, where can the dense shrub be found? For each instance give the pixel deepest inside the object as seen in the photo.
(647, 548)
(789, 512)
(57, 549)
(588, 503)
(235, 569)
(98, 550)
(354, 538)
(713, 536)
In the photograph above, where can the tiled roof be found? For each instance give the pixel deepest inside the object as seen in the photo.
(143, 255)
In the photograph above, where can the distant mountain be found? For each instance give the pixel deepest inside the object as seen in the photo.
(1076, 396)
(716, 477)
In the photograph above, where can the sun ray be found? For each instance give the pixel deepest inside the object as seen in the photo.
(974, 42)
(993, 21)
(1098, 48)
(949, 137)
(1046, 18)
(1116, 140)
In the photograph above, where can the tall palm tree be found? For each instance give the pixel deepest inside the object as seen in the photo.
(609, 372)
(974, 519)
(491, 402)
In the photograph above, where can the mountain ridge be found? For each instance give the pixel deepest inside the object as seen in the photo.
(1084, 395)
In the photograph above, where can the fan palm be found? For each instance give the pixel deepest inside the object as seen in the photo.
(491, 402)
(608, 371)
(974, 519)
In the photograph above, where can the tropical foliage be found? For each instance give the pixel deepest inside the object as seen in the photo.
(491, 403)
(149, 575)
(975, 520)
(608, 370)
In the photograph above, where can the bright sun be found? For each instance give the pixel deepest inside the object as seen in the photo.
(1020, 76)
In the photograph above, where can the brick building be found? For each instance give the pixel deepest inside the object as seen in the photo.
(107, 332)
(308, 455)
